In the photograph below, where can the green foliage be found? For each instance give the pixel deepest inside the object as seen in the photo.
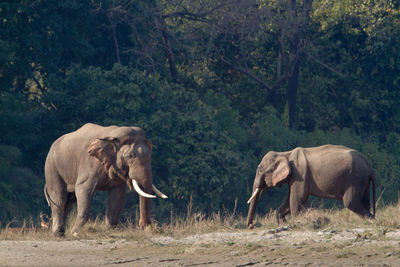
(19, 187)
(356, 40)
(66, 63)
(273, 134)
(195, 152)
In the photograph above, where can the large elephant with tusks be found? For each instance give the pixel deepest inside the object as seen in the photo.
(328, 171)
(96, 158)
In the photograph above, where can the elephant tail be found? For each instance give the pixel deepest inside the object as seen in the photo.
(48, 198)
(372, 179)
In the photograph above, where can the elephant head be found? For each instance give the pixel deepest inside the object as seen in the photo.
(273, 170)
(126, 154)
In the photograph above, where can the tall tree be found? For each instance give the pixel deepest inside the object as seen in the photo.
(262, 40)
(139, 34)
(298, 20)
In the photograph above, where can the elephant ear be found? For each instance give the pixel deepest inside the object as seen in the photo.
(150, 145)
(104, 150)
(281, 172)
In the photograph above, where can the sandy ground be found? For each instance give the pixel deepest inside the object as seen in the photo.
(259, 247)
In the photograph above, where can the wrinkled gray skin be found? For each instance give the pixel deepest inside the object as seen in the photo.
(97, 158)
(328, 171)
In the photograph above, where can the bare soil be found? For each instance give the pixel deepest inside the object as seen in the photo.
(257, 247)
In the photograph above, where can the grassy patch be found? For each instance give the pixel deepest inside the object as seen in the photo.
(387, 219)
(346, 254)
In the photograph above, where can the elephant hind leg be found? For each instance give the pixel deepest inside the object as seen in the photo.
(355, 201)
(58, 225)
(56, 195)
(366, 201)
(60, 212)
(71, 200)
(115, 203)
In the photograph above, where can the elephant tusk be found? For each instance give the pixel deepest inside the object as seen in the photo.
(140, 191)
(254, 195)
(158, 192)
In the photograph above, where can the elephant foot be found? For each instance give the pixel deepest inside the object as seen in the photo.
(145, 227)
(75, 231)
(144, 224)
(280, 220)
(148, 229)
(58, 231)
(58, 234)
(112, 225)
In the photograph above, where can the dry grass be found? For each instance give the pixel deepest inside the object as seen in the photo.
(28, 231)
(387, 218)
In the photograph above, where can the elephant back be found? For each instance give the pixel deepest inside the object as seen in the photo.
(91, 131)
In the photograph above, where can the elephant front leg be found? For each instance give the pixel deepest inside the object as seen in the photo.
(298, 198)
(116, 200)
(283, 210)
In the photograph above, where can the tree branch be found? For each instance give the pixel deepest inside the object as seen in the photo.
(162, 27)
(255, 78)
(37, 83)
(116, 43)
(185, 13)
(325, 65)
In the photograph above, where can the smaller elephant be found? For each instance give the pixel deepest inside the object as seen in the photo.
(96, 158)
(329, 171)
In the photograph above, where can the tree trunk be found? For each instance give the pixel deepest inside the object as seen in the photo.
(295, 50)
(292, 88)
(169, 53)
(162, 28)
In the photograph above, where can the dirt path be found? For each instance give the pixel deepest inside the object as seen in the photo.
(356, 247)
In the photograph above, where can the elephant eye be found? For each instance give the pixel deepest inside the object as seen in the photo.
(129, 154)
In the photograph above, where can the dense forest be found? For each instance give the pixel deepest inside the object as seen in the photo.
(215, 85)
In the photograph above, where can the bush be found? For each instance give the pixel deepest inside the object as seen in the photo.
(271, 133)
(195, 154)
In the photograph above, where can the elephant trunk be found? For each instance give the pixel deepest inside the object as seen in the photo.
(252, 208)
(141, 178)
(140, 174)
(145, 200)
(144, 207)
